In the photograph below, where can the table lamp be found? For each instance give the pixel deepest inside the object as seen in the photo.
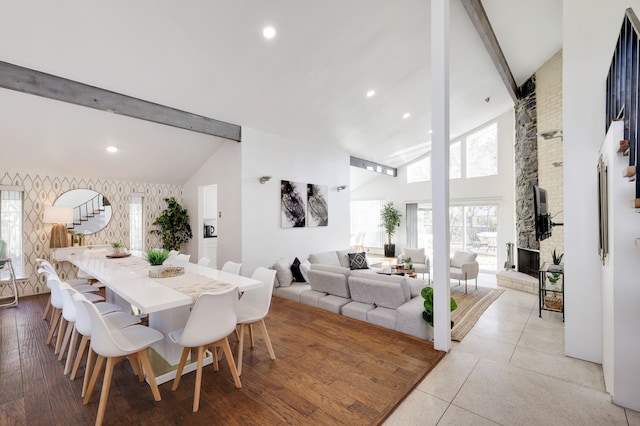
(58, 216)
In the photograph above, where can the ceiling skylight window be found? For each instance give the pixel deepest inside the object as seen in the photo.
(269, 32)
(370, 93)
(112, 149)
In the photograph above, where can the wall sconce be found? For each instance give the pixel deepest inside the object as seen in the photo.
(341, 188)
(265, 179)
(59, 216)
(551, 134)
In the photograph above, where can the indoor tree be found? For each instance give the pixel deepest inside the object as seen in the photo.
(173, 225)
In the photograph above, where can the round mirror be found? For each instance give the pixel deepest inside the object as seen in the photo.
(91, 210)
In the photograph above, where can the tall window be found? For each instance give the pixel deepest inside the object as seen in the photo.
(365, 222)
(11, 226)
(482, 152)
(474, 155)
(473, 228)
(136, 222)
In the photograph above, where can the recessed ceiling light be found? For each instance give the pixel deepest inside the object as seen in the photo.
(370, 93)
(430, 131)
(269, 32)
(112, 149)
(406, 115)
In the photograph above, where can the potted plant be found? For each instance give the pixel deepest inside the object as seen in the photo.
(427, 315)
(156, 258)
(390, 218)
(173, 224)
(117, 247)
(553, 300)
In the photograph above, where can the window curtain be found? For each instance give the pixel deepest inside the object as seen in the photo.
(412, 225)
(136, 222)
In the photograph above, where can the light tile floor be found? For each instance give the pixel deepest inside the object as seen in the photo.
(511, 370)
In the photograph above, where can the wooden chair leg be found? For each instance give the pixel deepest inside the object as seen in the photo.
(104, 394)
(151, 377)
(65, 341)
(54, 324)
(47, 308)
(135, 366)
(76, 365)
(72, 348)
(94, 378)
(183, 360)
(196, 393)
(267, 339)
(87, 372)
(61, 329)
(251, 334)
(232, 365)
(240, 349)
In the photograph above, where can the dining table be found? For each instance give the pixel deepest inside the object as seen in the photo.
(166, 300)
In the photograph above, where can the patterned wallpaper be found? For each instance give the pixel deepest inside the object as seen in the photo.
(40, 191)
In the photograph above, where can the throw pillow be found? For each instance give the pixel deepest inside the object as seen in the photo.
(295, 270)
(358, 261)
(283, 272)
(304, 269)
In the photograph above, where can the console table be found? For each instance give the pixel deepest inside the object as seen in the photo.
(551, 296)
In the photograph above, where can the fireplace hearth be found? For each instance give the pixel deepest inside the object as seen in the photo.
(529, 261)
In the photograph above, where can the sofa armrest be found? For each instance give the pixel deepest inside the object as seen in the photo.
(471, 270)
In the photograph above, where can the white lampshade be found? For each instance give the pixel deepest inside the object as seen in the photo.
(58, 214)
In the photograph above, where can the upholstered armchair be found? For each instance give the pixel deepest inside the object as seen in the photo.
(421, 264)
(463, 266)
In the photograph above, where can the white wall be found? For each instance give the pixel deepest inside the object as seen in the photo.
(589, 37)
(223, 169)
(264, 241)
(498, 188)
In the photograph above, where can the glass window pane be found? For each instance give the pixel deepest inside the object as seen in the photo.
(420, 171)
(136, 223)
(455, 160)
(11, 227)
(365, 220)
(482, 152)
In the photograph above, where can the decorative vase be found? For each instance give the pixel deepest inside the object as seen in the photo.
(155, 270)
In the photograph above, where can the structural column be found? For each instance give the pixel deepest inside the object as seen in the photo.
(440, 171)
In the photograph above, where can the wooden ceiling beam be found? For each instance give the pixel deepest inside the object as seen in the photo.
(478, 16)
(34, 82)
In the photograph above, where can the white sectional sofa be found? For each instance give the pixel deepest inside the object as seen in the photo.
(389, 301)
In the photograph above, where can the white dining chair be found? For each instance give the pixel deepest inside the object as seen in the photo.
(114, 346)
(47, 266)
(212, 319)
(204, 261)
(69, 314)
(253, 307)
(231, 267)
(178, 259)
(117, 320)
(53, 282)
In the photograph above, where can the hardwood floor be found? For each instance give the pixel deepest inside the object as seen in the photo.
(330, 370)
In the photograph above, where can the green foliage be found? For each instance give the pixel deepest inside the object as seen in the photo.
(173, 224)
(427, 315)
(390, 218)
(116, 244)
(156, 257)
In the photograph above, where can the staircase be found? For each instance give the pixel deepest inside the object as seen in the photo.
(90, 217)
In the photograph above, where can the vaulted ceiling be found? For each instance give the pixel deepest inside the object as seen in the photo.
(209, 57)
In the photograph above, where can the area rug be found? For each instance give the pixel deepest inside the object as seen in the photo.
(470, 307)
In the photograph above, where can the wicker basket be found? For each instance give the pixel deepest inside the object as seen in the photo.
(167, 272)
(553, 302)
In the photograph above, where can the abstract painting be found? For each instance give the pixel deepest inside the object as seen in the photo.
(317, 205)
(293, 202)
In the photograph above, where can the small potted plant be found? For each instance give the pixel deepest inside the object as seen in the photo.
(156, 258)
(117, 248)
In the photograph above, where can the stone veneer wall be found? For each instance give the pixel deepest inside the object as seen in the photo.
(43, 190)
(550, 176)
(526, 164)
